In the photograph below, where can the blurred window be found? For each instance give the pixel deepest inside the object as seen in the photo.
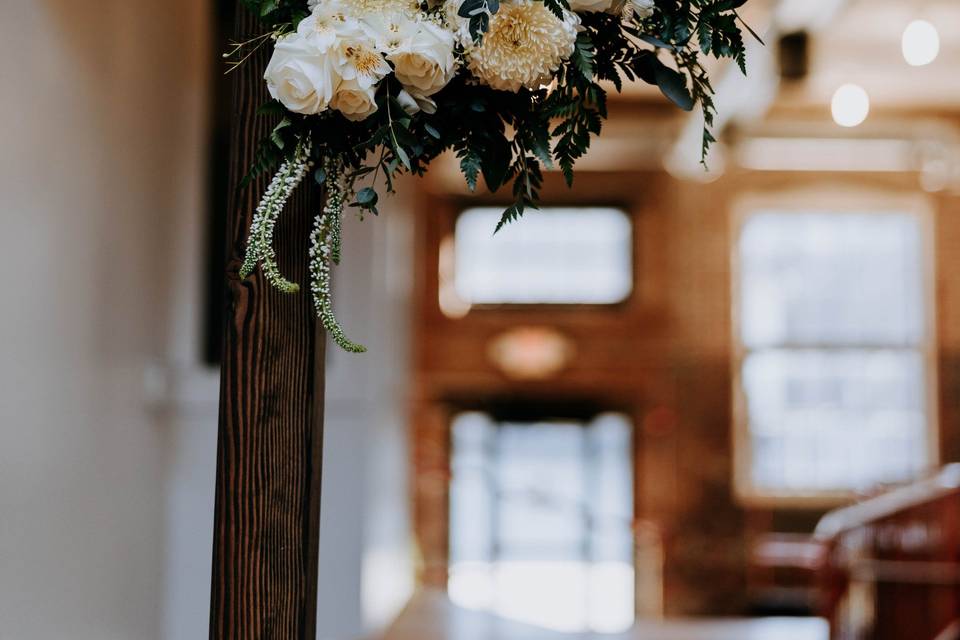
(834, 351)
(569, 255)
(540, 522)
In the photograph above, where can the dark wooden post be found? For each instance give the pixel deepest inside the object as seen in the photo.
(269, 455)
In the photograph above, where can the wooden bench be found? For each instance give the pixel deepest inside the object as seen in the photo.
(891, 566)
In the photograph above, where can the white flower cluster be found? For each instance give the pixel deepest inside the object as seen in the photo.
(337, 60)
(526, 43)
(260, 240)
(523, 47)
(340, 52)
(325, 245)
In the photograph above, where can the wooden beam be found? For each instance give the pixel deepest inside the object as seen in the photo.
(269, 454)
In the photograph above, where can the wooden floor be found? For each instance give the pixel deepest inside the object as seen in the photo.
(432, 617)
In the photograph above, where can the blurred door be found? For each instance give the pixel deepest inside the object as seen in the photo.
(540, 520)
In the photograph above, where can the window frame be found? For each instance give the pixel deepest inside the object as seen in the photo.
(837, 199)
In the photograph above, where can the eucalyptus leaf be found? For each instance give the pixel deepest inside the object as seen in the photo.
(367, 197)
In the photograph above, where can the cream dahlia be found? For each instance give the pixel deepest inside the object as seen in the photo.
(524, 46)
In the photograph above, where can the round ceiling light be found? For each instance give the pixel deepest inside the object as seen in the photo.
(921, 43)
(850, 106)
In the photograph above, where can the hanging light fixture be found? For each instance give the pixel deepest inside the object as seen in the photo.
(921, 43)
(850, 105)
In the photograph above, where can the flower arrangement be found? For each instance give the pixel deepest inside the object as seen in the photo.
(369, 89)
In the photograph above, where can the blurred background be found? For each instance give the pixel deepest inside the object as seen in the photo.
(651, 401)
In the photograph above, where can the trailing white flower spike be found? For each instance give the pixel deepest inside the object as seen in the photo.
(325, 251)
(325, 240)
(260, 241)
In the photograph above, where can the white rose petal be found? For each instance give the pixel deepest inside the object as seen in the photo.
(300, 76)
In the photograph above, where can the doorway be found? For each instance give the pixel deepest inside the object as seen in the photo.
(541, 514)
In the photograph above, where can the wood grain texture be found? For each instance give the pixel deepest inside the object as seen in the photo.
(269, 454)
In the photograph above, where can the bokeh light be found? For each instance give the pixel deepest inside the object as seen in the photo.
(850, 106)
(921, 43)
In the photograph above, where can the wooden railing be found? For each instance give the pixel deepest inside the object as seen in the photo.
(891, 564)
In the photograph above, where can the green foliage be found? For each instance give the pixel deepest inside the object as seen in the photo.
(511, 138)
(716, 26)
(478, 12)
(508, 138)
(557, 7)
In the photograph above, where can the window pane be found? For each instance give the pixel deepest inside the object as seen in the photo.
(834, 420)
(610, 487)
(541, 521)
(557, 256)
(822, 279)
(833, 319)
(472, 494)
(541, 481)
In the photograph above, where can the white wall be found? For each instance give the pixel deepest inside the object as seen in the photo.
(366, 565)
(100, 107)
(107, 421)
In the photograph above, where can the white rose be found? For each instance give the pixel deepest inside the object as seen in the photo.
(586, 6)
(354, 101)
(425, 62)
(300, 76)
